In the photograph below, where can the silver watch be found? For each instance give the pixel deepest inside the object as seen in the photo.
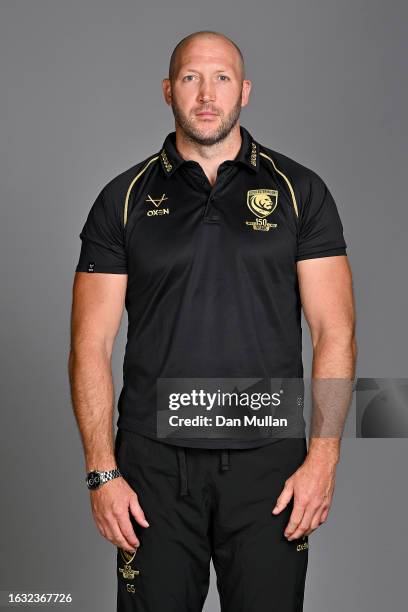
(96, 479)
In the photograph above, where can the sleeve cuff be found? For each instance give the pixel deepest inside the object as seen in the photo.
(325, 253)
(101, 269)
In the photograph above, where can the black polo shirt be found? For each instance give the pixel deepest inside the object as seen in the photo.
(212, 286)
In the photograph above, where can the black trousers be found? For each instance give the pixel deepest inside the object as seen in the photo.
(203, 504)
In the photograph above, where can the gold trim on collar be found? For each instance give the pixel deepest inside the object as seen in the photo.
(287, 181)
(125, 212)
(253, 154)
(165, 159)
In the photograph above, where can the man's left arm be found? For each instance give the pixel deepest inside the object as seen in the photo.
(325, 285)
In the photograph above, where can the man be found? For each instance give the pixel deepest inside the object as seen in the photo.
(213, 244)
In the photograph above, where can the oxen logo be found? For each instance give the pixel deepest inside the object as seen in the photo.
(154, 212)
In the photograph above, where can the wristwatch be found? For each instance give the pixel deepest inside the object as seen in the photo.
(96, 479)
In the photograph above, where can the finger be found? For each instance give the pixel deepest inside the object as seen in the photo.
(319, 518)
(284, 498)
(137, 512)
(324, 515)
(127, 530)
(294, 519)
(315, 522)
(117, 538)
(101, 527)
(304, 524)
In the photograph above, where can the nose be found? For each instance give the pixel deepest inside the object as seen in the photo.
(207, 92)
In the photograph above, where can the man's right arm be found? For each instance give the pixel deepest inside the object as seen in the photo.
(97, 308)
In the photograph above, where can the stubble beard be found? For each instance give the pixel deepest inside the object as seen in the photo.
(194, 134)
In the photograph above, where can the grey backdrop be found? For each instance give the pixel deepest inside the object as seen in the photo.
(81, 102)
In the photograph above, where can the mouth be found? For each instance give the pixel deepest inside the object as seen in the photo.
(207, 114)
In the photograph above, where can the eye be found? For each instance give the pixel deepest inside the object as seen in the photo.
(223, 76)
(188, 77)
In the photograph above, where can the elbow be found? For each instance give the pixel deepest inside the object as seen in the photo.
(85, 350)
(341, 336)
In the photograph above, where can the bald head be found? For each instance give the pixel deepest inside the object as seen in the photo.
(203, 34)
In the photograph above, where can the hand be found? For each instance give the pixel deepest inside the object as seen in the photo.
(110, 509)
(312, 486)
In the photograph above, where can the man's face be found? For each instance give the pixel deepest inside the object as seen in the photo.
(207, 93)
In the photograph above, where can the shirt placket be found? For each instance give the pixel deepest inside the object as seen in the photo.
(225, 173)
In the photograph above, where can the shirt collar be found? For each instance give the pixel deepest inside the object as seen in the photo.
(248, 154)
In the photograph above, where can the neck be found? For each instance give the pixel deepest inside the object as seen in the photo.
(209, 156)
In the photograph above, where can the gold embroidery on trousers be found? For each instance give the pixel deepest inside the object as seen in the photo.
(302, 546)
(127, 571)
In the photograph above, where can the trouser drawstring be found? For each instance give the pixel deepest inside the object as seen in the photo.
(182, 459)
(225, 460)
(225, 464)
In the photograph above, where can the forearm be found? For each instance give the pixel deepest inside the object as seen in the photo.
(92, 395)
(333, 371)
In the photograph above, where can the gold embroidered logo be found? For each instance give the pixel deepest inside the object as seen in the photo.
(128, 573)
(262, 202)
(253, 154)
(302, 546)
(166, 162)
(157, 201)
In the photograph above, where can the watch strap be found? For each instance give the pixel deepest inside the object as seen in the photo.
(96, 478)
(109, 475)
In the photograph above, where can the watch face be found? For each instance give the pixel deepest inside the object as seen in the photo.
(93, 480)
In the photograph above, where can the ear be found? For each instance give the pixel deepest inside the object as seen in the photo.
(246, 89)
(166, 87)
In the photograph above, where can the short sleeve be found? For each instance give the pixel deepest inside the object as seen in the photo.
(320, 227)
(103, 247)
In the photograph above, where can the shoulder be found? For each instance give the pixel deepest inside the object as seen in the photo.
(301, 175)
(120, 184)
(114, 196)
(305, 185)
